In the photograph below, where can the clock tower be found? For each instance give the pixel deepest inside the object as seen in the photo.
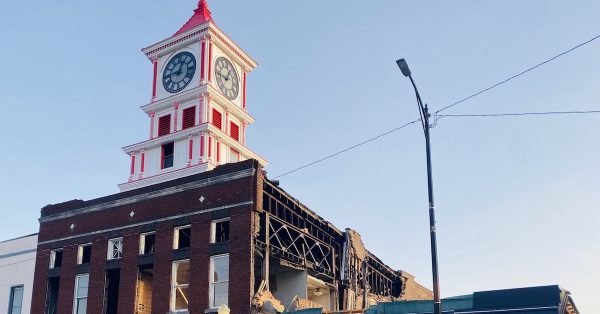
(197, 111)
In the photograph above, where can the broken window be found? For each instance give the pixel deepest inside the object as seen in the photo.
(219, 280)
(81, 292)
(115, 249)
(84, 253)
(111, 291)
(15, 303)
(56, 258)
(147, 243)
(219, 230)
(182, 237)
(180, 283)
(52, 295)
(144, 289)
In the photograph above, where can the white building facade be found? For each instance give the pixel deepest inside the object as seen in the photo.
(17, 265)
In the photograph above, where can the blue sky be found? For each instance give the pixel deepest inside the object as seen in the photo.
(518, 199)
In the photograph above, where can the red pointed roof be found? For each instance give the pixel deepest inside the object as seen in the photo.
(201, 16)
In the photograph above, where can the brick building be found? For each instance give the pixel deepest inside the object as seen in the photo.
(198, 225)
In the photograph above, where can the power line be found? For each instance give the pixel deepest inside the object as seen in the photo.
(349, 148)
(456, 103)
(518, 74)
(512, 114)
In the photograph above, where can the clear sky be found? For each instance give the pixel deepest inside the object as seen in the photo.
(518, 199)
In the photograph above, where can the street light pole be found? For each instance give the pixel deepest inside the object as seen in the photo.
(423, 111)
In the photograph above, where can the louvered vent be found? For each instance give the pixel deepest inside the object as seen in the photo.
(235, 131)
(217, 119)
(164, 125)
(189, 117)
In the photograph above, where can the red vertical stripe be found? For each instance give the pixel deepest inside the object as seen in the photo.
(244, 98)
(209, 147)
(209, 62)
(143, 162)
(201, 147)
(202, 60)
(191, 148)
(155, 63)
(152, 125)
(132, 164)
(218, 151)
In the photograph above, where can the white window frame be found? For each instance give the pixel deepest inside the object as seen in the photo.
(77, 298)
(212, 283)
(234, 152)
(176, 235)
(175, 286)
(53, 258)
(143, 241)
(213, 228)
(110, 253)
(11, 300)
(80, 252)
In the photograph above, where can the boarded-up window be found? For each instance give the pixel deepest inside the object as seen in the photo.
(235, 131)
(217, 119)
(164, 125)
(189, 118)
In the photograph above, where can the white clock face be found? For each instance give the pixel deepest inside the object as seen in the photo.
(179, 72)
(227, 78)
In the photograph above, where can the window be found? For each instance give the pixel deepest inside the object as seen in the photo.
(56, 258)
(167, 155)
(189, 118)
(219, 230)
(164, 125)
(180, 283)
(84, 254)
(81, 292)
(217, 119)
(15, 302)
(219, 280)
(182, 237)
(234, 156)
(234, 131)
(115, 249)
(147, 243)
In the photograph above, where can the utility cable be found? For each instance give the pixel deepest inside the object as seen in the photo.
(515, 114)
(436, 116)
(349, 148)
(518, 74)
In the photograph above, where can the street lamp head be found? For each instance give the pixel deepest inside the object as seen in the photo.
(403, 67)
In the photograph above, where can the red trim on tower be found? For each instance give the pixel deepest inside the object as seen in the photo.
(152, 124)
(218, 151)
(190, 151)
(201, 147)
(132, 170)
(202, 60)
(176, 106)
(244, 98)
(143, 162)
(209, 61)
(209, 147)
(155, 64)
(201, 16)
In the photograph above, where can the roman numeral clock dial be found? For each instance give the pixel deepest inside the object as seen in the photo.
(179, 72)
(227, 78)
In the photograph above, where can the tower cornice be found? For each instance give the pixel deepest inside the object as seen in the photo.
(208, 29)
